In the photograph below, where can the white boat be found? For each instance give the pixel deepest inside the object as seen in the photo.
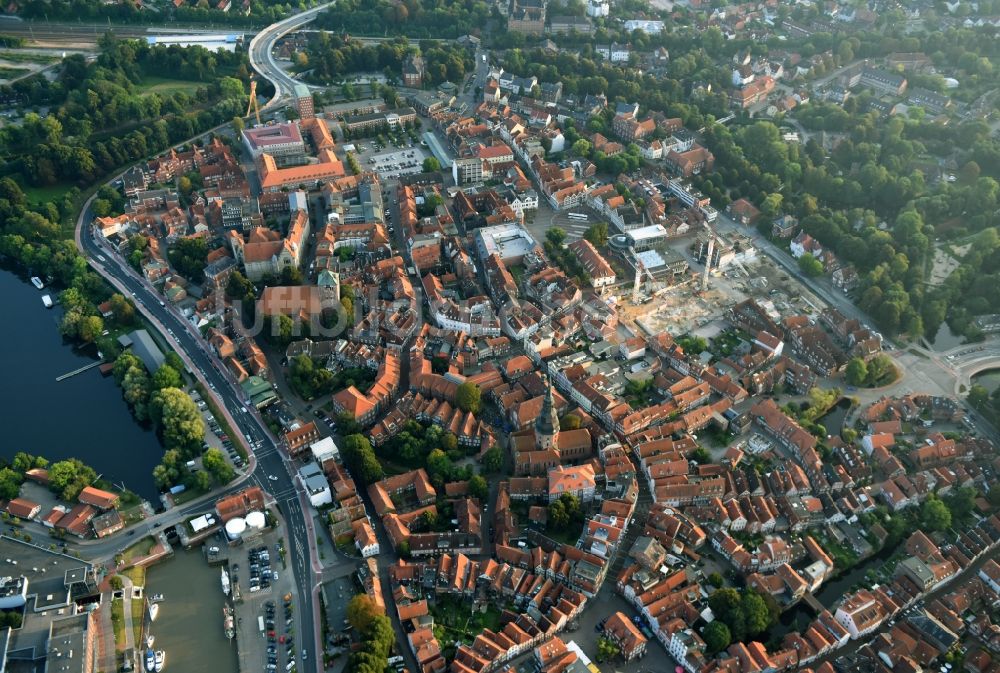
(161, 658)
(150, 639)
(154, 609)
(47, 300)
(37, 282)
(157, 597)
(225, 582)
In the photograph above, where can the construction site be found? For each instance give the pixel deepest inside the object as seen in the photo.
(674, 290)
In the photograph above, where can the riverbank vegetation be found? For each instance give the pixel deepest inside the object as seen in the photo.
(330, 57)
(986, 402)
(101, 118)
(413, 18)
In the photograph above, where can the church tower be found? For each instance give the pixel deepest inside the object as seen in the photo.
(547, 423)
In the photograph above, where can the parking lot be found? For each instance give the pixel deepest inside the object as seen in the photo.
(400, 162)
(215, 437)
(336, 595)
(266, 621)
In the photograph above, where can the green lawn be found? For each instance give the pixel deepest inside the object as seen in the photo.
(168, 87)
(118, 622)
(460, 622)
(11, 73)
(140, 548)
(137, 574)
(22, 57)
(138, 608)
(55, 193)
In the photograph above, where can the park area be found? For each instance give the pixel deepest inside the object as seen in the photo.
(168, 87)
(455, 621)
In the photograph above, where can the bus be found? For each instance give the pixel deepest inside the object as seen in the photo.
(578, 217)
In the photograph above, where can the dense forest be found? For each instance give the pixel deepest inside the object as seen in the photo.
(331, 57)
(261, 12)
(413, 18)
(100, 119)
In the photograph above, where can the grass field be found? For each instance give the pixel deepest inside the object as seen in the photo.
(11, 73)
(138, 608)
(118, 622)
(55, 193)
(168, 87)
(140, 548)
(27, 57)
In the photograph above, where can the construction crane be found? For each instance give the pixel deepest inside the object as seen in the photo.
(708, 257)
(652, 286)
(253, 101)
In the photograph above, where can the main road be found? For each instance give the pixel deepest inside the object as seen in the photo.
(261, 53)
(270, 467)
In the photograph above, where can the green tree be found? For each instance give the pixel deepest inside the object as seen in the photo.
(10, 483)
(493, 460)
(166, 377)
(810, 266)
(215, 464)
(439, 466)
(431, 164)
(90, 328)
(68, 477)
(979, 398)
(570, 422)
(177, 417)
(362, 612)
(478, 488)
(606, 649)
(935, 515)
(556, 236)
(597, 234)
(716, 636)
(716, 580)
(856, 372)
(468, 397)
(558, 517)
(123, 309)
(701, 455)
(880, 369)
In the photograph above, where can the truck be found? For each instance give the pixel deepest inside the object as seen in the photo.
(260, 623)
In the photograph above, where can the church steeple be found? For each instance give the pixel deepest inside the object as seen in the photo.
(547, 423)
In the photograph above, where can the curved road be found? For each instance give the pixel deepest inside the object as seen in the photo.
(261, 53)
(267, 460)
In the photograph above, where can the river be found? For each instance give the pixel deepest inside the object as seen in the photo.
(989, 379)
(190, 632)
(801, 615)
(82, 417)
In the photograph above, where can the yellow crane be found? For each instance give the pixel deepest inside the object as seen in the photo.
(253, 101)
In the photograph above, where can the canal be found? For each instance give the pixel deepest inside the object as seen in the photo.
(81, 417)
(989, 379)
(799, 616)
(833, 420)
(190, 632)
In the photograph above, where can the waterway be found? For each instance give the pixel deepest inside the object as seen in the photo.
(799, 616)
(81, 417)
(945, 339)
(833, 420)
(988, 379)
(190, 631)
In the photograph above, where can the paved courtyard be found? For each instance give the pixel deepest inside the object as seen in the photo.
(400, 162)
